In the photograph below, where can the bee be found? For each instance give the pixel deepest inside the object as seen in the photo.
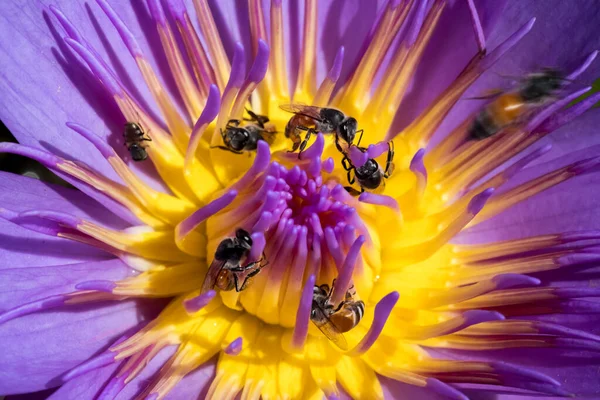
(134, 136)
(239, 139)
(316, 119)
(226, 271)
(370, 176)
(509, 108)
(334, 321)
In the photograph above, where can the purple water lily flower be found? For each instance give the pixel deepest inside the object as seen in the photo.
(392, 258)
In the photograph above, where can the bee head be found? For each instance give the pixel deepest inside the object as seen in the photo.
(244, 237)
(347, 129)
(540, 85)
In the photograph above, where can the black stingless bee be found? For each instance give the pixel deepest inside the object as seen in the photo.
(226, 270)
(134, 138)
(369, 176)
(238, 138)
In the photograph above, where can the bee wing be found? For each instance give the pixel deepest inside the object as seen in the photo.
(329, 329)
(303, 109)
(212, 274)
(268, 136)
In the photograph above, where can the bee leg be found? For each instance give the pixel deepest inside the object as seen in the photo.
(330, 292)
(266, 262)
(309, 132)
(351, 176)
(337, 145)
(346, 163)
(248, 267)
(146, 138)
(226, 148)
(360, 137)
(389, 165)
(295, 146)
(238, 287)
(253, 116)
(353, 191)
(234, 122)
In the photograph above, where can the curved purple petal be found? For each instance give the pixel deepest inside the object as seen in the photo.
(20, 248)
(35, 353)
(19, 193)
(569, 206)
(24, 285)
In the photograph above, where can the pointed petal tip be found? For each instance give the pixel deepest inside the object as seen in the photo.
(506, 281)
(156, 11)
(478, 201)
(195, 304)
(211, 108)
(33, 307)
(235, 347)
(261, 62)
(416, 164)
(59, 217)
(176, 9)
(336, 68)
(104, 148)
(478, 316)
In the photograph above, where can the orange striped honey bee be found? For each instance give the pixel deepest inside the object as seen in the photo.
(509, 108)
(334, 321)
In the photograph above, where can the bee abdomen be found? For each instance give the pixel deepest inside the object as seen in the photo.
(348, 316)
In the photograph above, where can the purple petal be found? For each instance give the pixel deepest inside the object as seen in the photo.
(24, 285)
(563, 37)
(20, 247)
(192, 386)
(451, 47)
(86, 386)
(33, 41)
(19, 193)
(569, 206)
(35, 353)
